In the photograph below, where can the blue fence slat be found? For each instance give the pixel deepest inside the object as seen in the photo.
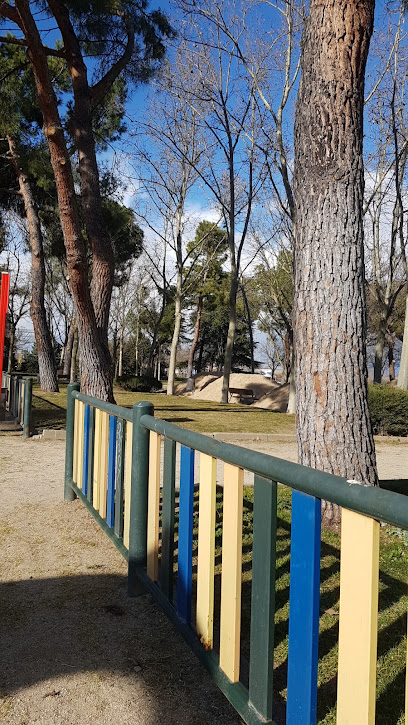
(185, 541)
(86, 452)
(110, 494)
(303, 610)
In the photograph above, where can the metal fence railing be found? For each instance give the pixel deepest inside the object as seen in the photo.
(167, 530)
(18, 399)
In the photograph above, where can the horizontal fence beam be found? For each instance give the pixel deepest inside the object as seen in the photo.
(110, 408)
(370, 501)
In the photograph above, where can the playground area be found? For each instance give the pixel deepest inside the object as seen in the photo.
(76, 648)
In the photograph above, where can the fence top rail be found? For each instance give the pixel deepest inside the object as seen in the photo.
(110, 408)
(387, 506)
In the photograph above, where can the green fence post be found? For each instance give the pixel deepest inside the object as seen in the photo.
(138, 498)
(69, 494)
(28, 397)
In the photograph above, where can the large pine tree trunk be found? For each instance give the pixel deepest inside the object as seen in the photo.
(96, 374)
(46, 359)
(333, 422)
(102, 253)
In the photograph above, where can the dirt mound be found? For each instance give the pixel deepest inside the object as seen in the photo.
(276, 400)
(209, 386)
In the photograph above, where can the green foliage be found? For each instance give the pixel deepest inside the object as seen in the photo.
(388, 409)
(101, 28)
(139, 383)
(29, 363)
(125, 235)
(214, 329)
(275, 290)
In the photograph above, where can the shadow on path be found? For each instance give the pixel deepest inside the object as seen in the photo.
(51, 628)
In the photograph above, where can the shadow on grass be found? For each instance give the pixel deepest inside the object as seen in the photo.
(392, 625)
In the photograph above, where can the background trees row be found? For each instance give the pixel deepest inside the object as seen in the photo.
(215, 143)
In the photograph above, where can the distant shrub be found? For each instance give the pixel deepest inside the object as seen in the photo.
(139, 383)
(389, 410)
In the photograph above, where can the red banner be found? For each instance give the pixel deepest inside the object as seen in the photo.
(4, 295)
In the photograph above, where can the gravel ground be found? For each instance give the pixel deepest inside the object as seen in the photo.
(75, 649)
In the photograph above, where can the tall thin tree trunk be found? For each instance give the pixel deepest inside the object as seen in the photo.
(74, 355)
(232, 326)
(12, 339)
(200, 356)
(176, 334)
(46, 359)
(68, 348)
(120, 361)
(403, 368)
(291, 409)
(195, 339)
(333, 422)
(96, 374)
(391, 360)
(250, 331)
(137, 347)
(379, 347)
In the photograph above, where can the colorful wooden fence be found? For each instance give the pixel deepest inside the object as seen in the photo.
(18, 399)
(115, 464)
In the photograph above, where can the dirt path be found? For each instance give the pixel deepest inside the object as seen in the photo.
(75, 650)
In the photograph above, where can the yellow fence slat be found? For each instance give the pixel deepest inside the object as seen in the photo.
(206, 550)
(80, 444)
(97, 458)
(231, 571)
(128, 478)
(359, 574)
(75, 461)
(103, 472)
(153, 507)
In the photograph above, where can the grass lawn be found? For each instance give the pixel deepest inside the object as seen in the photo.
(392, 621)
(199, 415)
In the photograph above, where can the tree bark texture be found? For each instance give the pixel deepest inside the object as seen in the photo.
(46, 358)
(96, 374)
(102, 253)
(333, 422)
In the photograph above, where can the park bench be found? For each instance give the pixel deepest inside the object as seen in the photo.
(243, 393)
